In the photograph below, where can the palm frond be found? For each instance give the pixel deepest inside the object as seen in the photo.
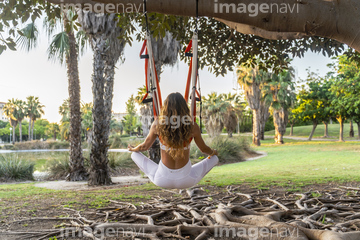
(28, 38)
(59, 47)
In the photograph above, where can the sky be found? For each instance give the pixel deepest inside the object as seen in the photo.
(31, 73)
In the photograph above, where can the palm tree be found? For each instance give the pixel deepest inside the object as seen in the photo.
(233, 113)
(214, 111)
(279, 93)
(36, 114)
(64, 46)
(53, 129)
(30, 111)
(10, 111)
(250, 80)
(20, 114)
(145, 111)
(64, 111)
(104, 36)
(87, 120)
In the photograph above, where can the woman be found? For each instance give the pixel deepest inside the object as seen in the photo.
(175, 169)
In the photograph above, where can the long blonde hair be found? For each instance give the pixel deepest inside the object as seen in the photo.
(175, 137)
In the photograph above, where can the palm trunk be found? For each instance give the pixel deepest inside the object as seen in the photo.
(29, 131)
(291, 129)
(76, 161)
(256, 127)
(154, 150)
(280, 122)
(341, 134)
(264, 116)
(351, 133)
(13, 140)
(326, 131)
(358, 126)
(313, 129)
(32, 129)
(99, 172)
(20, 131)
(109, 86)
(54, 135)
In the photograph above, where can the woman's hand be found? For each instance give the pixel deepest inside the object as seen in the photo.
(131, 148)
(215, 152)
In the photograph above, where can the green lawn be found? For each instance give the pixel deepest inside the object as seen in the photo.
(304, 131)
(294, 164)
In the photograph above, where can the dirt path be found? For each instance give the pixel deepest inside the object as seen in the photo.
(82, 185)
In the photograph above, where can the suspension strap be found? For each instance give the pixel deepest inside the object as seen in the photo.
(151, 77)
(193, 74)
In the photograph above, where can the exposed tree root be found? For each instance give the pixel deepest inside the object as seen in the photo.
(329, 215)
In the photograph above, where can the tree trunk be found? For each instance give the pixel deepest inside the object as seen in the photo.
(313, 129)
(54, 135)
(99, 171)
(291, 129)
(280, 122)
(341, 134)
(32, 129)
(109, 86)
(29, 130)
(13, 129)
(351, 133)
(358, 126)
(256, 127)
(337, 21)
(154, 150)
(20, 131)
(264, 116)
(145, 118)
(76, 161)
(326, 131)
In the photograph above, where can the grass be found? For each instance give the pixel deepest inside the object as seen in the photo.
(304, 131)
(293, 165)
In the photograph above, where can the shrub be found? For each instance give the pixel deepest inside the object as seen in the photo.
(116, 142)
(58, 168)
(37, 144)
(229, 149)
(8, 147)
(120, 160)
(13, 168)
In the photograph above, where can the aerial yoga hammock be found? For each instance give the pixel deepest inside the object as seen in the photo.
(161, 175)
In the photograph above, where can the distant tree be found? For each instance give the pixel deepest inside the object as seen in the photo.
(87, 120)
(233, 112)
(346, 88)
(279, 94)
(53, 130)
(34, 110)
(214, 110)
(130, 121)
(314, 101)
(251, 79)
(10, 112)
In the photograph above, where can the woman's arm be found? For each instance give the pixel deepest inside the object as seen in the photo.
(200, 142)
(150, 139)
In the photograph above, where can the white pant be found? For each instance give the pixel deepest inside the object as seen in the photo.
(181, 178)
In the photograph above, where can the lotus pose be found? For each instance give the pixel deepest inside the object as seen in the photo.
(175, 130)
